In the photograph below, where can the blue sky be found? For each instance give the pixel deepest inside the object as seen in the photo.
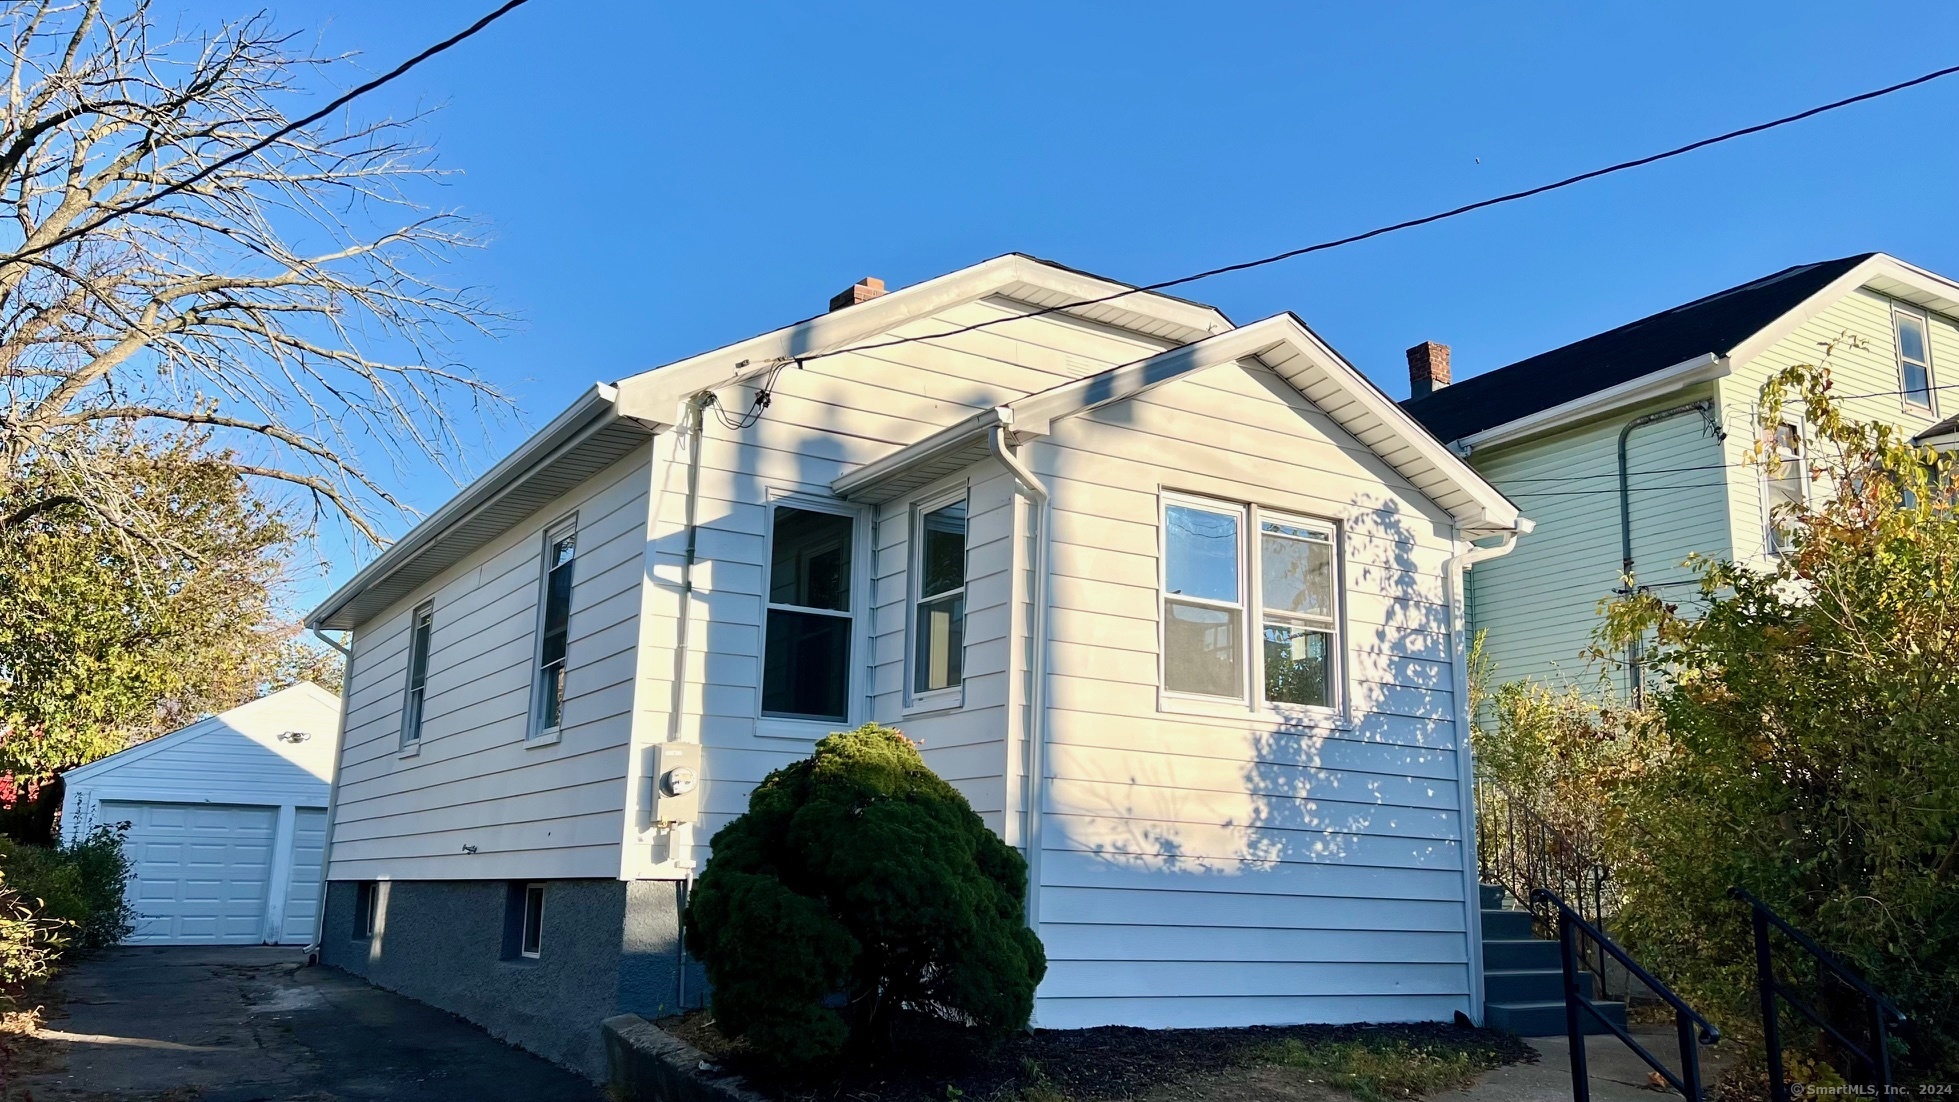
(662, 178)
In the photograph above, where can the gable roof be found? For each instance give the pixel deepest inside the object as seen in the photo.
(608, 421)
(326, 704)
(1706, 327)
(1284, 344)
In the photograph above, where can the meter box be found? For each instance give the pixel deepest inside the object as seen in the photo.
(676, 782)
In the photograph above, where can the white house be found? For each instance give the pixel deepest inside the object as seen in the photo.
(227, 821)
(1177, 605)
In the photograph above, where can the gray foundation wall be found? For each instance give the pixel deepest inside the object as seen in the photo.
(608, 947)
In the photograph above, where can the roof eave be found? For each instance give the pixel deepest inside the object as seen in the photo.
(1686, 373)
(596, 406)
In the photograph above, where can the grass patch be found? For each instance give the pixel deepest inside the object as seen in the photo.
(1389, 1066)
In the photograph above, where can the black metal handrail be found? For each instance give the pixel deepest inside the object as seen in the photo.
(1688, 1082)
(1518, 849)
(1875, 1055)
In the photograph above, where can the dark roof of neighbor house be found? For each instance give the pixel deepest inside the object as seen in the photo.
(1711, 325)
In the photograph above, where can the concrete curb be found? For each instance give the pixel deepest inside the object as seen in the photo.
(648, 1064)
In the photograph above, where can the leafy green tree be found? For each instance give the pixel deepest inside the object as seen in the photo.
(859, 883)
(120, 624)
(1807, 727)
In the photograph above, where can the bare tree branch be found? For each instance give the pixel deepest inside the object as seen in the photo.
(171, 256)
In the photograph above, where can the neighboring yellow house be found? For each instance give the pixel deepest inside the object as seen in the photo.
(1630, 448)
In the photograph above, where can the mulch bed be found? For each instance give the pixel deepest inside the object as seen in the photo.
(945, 1063)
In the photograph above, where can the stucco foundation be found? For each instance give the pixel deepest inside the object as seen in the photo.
(609, 947)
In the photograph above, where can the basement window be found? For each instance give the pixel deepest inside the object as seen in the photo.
(367, 908)
(531, 944)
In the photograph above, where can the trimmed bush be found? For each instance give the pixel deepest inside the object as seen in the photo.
(859, 884)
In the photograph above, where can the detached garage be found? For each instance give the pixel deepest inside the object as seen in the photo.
(227, 821)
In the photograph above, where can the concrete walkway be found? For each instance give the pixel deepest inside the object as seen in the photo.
(1617, 1075)
(243, 1024)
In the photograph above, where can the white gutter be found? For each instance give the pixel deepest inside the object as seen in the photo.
(565, 430)
(1465, 754)
(1664, 381)
(1036, 735)
(332, 807)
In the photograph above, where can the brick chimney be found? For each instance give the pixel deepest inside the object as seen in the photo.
(864, 290)
(1428, 369)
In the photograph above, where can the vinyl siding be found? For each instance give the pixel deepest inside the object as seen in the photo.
(962, 737)
(1270, 870)
(826, 419)
(1863, 360)
(528, 810)
(1537, 607)
(233, 758)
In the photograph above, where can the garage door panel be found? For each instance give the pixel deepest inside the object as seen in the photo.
(200, 871)
(303, 896)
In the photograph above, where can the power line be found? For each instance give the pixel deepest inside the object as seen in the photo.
(1411, 223)
(336, 104)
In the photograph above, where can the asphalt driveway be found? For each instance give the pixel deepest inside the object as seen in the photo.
(225, 1024)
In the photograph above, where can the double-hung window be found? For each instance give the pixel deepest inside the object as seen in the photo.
(554, 628)
(806, 641)
(1296, 586)
(939, 613)
(1242, 581)
(420, 627)
(1785, 488)
(1914, 358)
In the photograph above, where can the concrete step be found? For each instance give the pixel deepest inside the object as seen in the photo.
(1546, 1019)
(1506, 925)
(1524, 985)
(1510, 954)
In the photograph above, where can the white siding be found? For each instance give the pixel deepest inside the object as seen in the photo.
(528, 810)
(826, 419)
(1270, 871)
(233, 758)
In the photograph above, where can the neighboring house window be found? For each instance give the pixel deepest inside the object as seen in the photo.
(1294, 586)
(1297, 592)
(419, 630)
(806, 645)
(560, 547)
(939, 619)
(531, 942)
(1784, 490)
(1914, 358)
(367, 905)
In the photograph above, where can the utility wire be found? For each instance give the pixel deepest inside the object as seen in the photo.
(1410, 223)
(299, 124)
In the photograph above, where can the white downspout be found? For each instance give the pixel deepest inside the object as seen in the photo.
(1037, 716)
(1458, 564)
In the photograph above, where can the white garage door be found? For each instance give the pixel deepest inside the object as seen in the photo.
(201, 871)
(303, 897)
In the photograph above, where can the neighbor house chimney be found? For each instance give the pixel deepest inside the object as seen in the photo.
(864, 290)
(1428, 369)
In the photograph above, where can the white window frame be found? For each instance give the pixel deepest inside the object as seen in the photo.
(952, 696)
(1770, 545)
(1930, 407)
(525, 929)
(795, 727)
(367, 911)
(414, 698)
(536, 733)
(1251, 700)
